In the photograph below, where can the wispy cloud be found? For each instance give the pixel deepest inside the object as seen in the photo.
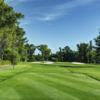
(48, 17)
(7, 1)
(16, 2)
(23, 23)
(54, 12)
(60, 10)
(74, 3)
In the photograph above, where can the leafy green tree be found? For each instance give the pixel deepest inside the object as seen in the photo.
(45, 51)
(97, 48)
(47, 54)
(7, 55)
(20, 42)
(30, 50)
(5, 39)
(15, 58)
(83, 50)
(66, 52)
(8, 20)
(60, 54)
(20, 39)
(38, 57)
(54, 57)
(8, 16)
(90, 49)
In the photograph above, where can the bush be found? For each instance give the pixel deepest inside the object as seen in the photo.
(4, 62)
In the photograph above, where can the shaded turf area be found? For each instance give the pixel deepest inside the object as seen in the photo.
(49, 82)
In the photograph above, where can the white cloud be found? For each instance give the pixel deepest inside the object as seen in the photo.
(48, 17)
(60, 10)
(52, 13)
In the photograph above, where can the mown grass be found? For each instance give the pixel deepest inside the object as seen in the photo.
(59, 81)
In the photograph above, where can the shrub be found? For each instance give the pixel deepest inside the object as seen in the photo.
(4, 62)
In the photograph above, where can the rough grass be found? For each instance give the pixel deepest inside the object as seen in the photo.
(60, 81)
(4, 65)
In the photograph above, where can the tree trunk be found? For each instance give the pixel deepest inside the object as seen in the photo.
(13, 66)
(2, 49)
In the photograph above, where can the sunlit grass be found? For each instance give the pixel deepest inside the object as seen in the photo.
(59, 81)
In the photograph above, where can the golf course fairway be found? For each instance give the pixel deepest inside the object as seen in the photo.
(58, 81)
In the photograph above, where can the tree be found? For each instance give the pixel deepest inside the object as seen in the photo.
(30, 50)
(82, 50)
(38, 57)
(7, 55)
(15, 58)
(8, 20)
(54, 57)
(20, 42)
(45, 51)
(97, 48)
(66, 52)
(5, 39)
(47, 54)
(60, 54)
(8, 16)
(90, 52)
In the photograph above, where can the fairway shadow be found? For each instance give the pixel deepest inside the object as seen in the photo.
(10, 76)
(74, 66)
(77, 66)
(91, 77)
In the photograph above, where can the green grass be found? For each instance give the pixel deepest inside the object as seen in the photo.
(59, 81)
(4, 65)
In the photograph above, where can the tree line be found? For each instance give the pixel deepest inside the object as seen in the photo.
(15, 47)
(86, 53)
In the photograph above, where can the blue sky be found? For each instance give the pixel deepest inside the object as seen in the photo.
(58, 23)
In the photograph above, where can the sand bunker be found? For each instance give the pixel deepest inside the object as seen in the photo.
(45, 62)
(77, 63)
(48, 62)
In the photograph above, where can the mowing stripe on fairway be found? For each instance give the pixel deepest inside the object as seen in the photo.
(9, 94)
(87, 80)
(70, 84)
(47, 90)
